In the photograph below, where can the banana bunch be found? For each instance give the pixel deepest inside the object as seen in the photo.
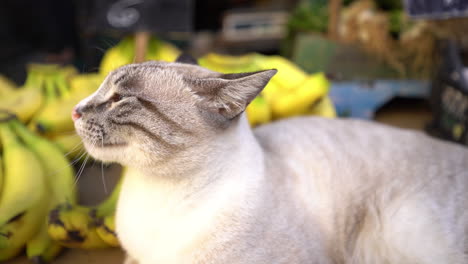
(124, 53)
(24, 101)
(35, 178)
(76, 226)
(291, 92)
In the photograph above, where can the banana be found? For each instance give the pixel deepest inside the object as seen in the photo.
(41, 248)
(59, 175)
(55, 116)
(24, 102)
(76, 226)
(60, 184)
(6, 86)
(89, 82)
(324, 108)
(258, 111)
(24, 183)
(289, 76)
(70, 144)
(299, 100)
(72, 226)
(106, 231)
(20, 229)
(23, 201)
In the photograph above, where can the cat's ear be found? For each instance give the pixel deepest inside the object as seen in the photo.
(229, 94)
(187, 59)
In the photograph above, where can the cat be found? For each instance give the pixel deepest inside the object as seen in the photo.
(203, 187)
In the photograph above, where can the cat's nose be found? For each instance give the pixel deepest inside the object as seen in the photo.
(76, 113)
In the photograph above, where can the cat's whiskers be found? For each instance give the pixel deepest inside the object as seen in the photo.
(81, 169)
(102, 169)
(74, 148)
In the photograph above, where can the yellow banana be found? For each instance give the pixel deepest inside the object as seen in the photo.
(41, 248)
(289, 75)
(258, 111)
(324, 108)
(89, 82)
(299, 100)
(23, 102)
(106, 231)
(20, 229)
(59, 175)
(6, 86)
(70, 144)
(24, 183)
(23, 201)
(73, 227)
(76, 226)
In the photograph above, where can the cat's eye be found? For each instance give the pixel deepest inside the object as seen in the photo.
(115, 98)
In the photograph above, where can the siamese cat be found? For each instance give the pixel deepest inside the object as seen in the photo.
(203, 187)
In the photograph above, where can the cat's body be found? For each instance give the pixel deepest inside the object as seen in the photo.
(204, 188)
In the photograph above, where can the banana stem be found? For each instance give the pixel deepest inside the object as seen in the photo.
(6, 135)
(62, 85)
(50, 91)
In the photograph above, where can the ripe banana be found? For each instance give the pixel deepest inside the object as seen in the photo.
(23, 201)
(20, 229)
(106, 231)
(258, 111)
(73, 227)
(60, 184)
(24, 183)
(70, 144)
(59, 175)
(299, 100)
(6, 86)
(23, 102)
(76, 226)
(41, 248)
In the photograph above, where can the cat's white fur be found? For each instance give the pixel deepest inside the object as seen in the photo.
(214, 217)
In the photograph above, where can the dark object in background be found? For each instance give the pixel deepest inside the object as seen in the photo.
(436, 9)
(129, 16)
(449, 98)
(35, 31)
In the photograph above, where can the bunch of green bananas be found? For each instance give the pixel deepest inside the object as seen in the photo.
(35, 178)
(290, 92)
(124, 53)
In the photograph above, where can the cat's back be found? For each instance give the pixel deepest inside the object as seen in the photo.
(353, 139)
(342, 171)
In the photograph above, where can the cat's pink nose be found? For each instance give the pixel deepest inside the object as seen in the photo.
(76, 113)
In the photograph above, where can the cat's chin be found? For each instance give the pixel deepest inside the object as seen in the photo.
(107, 152)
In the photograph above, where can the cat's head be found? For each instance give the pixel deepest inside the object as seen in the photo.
(149, 112)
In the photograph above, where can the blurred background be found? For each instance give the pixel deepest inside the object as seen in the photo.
(403, 63)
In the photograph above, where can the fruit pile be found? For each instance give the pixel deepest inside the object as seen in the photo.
(38, 199)
(291, 92)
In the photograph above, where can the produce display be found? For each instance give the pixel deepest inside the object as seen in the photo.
(39, 209)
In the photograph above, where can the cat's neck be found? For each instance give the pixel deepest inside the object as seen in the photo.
(234, 155)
